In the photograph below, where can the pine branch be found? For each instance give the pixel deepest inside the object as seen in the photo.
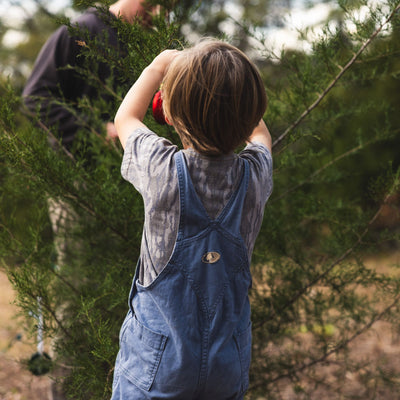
(318, 278)
(334, 350)
(63, 280)
(49, 309)
(72, 194)
(318, 171)
(104, 139)
(20, 246)
(6, 229)
(55, 140)
(95, 78)
(324, 167)
(45, 305)
(343, 70)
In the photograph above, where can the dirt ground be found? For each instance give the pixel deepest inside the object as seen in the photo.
(17, 383)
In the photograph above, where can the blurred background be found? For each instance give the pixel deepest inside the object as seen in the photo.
(326, 263)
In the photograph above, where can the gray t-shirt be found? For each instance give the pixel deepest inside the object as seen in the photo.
(148, 164)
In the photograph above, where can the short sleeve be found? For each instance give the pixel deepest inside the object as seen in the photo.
(146, 157)
(260, 159)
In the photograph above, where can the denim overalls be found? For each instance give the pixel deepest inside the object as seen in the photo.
(188, 334)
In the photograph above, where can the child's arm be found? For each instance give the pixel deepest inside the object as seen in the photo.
(261, 134)
(134, 106)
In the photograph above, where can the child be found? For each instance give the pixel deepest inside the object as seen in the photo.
(187, 334)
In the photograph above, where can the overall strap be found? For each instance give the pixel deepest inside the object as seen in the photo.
(231, 216)
(193, 216)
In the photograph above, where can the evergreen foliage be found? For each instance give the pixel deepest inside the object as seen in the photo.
(334, 120)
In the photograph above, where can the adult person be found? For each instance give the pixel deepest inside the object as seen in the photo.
(55, 88)
(55, 81)
(56, 85)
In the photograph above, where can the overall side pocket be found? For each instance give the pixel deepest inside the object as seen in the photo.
(140, 353)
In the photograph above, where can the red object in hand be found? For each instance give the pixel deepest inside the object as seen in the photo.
(158, 113)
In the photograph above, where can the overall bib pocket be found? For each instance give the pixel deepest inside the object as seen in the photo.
(140, 353)
(243, 342)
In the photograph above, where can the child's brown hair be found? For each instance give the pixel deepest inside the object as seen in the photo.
(214, 96)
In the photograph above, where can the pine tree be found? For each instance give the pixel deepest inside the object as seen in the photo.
(336, 169)
(333, 116)
(84, 300)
